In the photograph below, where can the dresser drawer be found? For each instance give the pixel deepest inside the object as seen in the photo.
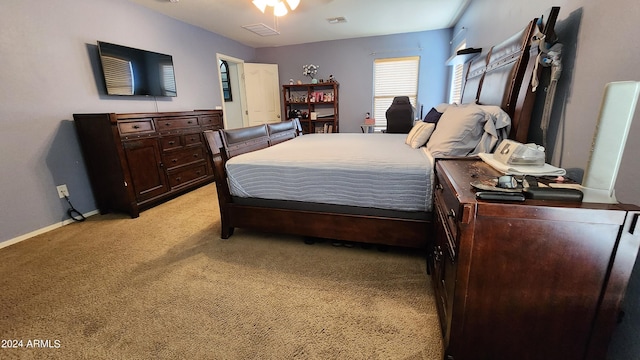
(447, 202)
(192, 139)
(183, 157)
(171, 142)
(211, 120)
(187, 175)
(164, 124)
(133, 127)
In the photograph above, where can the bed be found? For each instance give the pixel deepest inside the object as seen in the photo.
(371, 188)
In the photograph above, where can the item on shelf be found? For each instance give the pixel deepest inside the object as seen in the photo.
(310, 71)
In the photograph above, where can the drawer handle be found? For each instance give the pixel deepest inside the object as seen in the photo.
(136, 126)
(171, 142)
(451, 214)
(192, 139)
(439, 187)
(195, 155)
(189, 122)
(198, 172)
(178, 179)
(167, 124)
(174, 160)
(437, 254)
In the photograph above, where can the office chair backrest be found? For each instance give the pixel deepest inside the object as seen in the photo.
(400, 116)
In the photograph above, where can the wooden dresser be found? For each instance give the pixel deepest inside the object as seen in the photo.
(527, 280)
(138, 160)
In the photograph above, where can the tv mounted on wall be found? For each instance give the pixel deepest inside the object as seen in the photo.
(129, 71)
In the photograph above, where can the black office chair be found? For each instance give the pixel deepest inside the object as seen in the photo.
(399, 116)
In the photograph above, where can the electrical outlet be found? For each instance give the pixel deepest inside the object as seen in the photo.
(62, 191)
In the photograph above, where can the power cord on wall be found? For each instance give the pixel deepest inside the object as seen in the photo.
(73, 213)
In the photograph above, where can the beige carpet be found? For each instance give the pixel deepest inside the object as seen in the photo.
(165, 286)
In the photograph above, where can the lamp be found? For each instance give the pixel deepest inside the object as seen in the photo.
(279, 7)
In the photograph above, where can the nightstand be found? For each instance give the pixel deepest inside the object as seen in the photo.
(526, 280)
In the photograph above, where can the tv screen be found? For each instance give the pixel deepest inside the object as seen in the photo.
(129, 71)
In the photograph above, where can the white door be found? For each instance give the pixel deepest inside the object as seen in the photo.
(262, 89)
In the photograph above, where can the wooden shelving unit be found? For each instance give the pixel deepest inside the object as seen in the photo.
(316, 105)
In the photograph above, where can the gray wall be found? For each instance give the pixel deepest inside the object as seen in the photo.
(351, 63)
(48, 72)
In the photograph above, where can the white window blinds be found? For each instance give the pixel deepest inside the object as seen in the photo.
(455, 94)
(393, 77)
(168, 79)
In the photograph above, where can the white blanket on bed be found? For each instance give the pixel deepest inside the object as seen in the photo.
(365, 170)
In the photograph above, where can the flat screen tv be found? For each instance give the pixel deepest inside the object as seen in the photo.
(129, 71)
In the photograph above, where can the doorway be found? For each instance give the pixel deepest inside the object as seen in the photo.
(233, 113)
(255, 93)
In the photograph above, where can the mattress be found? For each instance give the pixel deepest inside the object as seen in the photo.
(363, 170)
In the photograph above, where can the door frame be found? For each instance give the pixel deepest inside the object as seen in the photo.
(241, 88)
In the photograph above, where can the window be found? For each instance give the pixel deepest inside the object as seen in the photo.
(226, 81)
(455, 95)
(393, 77)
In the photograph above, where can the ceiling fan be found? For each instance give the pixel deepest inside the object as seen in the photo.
(279, 7)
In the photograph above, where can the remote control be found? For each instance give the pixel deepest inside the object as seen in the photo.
(502, 196)
(559, 194)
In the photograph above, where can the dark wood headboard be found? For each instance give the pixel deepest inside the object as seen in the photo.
(502, 75)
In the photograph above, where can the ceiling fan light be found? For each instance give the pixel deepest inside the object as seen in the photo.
(293, 4)
(280, 9)
(260, 4)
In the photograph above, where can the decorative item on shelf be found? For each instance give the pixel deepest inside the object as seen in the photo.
(299, 82)
(310, 71)
(290, 81)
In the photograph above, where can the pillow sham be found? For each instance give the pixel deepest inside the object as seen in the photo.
(423, 135)
(458, 132)
(412, 133)
(432, 116)
(419, 134)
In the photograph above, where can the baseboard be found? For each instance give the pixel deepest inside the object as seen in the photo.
(43, 230)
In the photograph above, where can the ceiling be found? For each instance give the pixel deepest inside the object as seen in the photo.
(308, 23)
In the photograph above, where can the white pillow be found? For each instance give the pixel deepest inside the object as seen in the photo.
(414, 130)
(423, 135)
(459, 130)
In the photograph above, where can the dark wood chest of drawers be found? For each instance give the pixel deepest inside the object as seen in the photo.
(138, 160)
(527, 280)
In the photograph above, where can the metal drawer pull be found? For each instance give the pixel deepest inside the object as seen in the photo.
(437, 253)
(171, 142)
(136, 126)
(452, 214)
(195, 155)
(439, 187)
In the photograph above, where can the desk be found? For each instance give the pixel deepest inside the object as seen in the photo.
(367, 128)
